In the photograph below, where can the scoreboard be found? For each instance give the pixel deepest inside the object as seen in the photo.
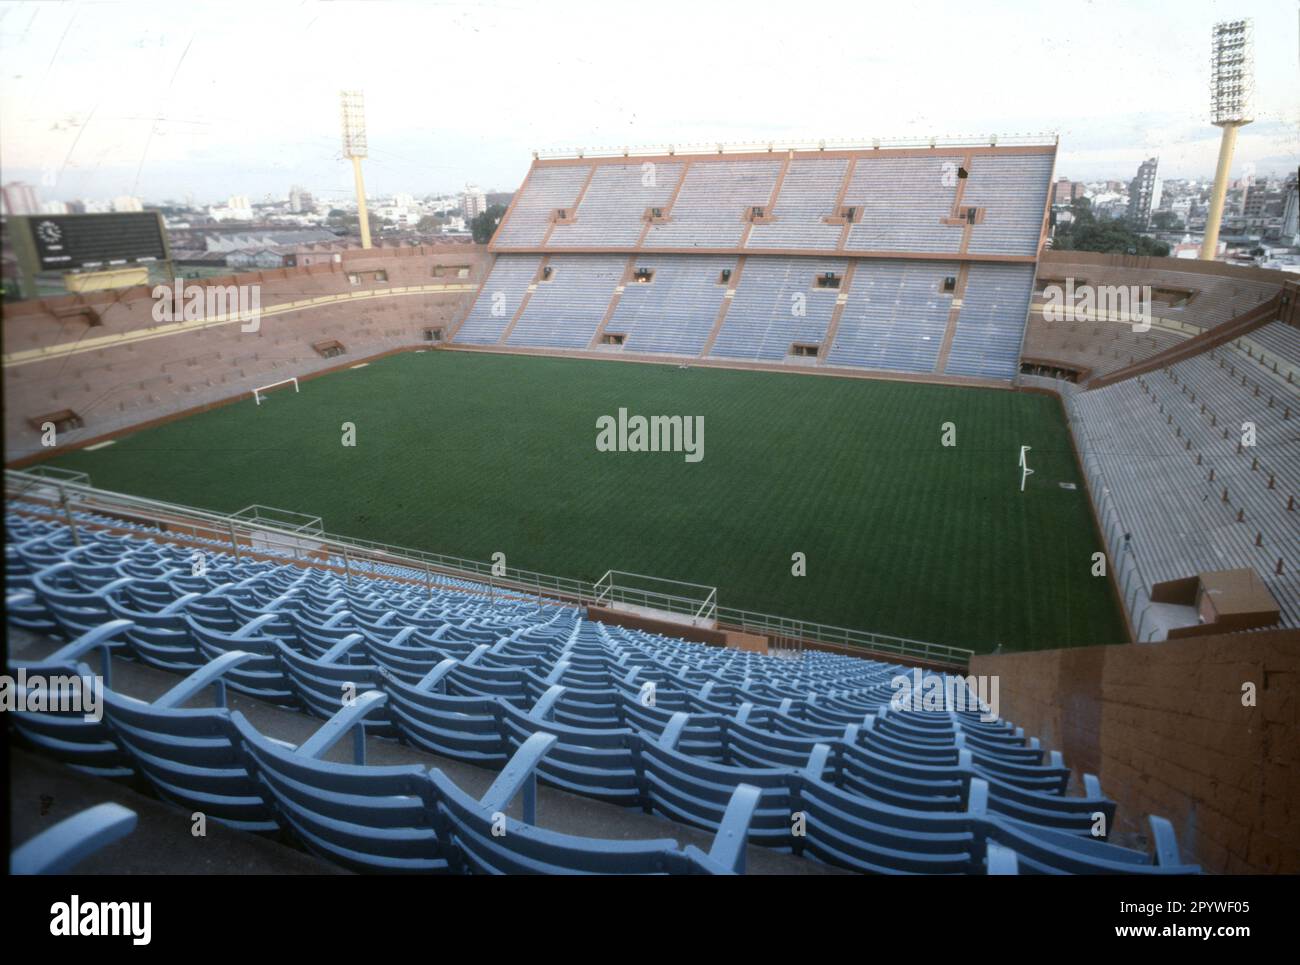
(80, 242)
(91, 251)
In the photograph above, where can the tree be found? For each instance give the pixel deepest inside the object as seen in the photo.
(1086, 233)
(1166, 221)
(484, 225)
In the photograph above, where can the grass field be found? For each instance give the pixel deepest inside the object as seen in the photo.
(471, 454)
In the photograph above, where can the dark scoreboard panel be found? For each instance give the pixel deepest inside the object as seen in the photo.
(67, 242)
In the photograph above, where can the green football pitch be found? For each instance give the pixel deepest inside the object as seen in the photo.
(474, 454)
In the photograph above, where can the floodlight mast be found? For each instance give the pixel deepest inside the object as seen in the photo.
(354, 147)
(1232, 88)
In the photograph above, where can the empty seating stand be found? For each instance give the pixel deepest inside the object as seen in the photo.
(500, 296)
(895, 316)
(775, 258)
(614, 204)
(904, 201)
(674, 312)
(777, 305)
(1167, 447)
(803, 208)
(132, 368)
(742, 746)
(991, 325)
(567, 307)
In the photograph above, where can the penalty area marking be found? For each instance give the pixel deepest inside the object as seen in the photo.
(100, 445)
(360, 365)
(257, 392)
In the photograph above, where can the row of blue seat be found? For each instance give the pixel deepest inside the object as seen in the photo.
(647, 721)
(404, 818)
(593, 697)
(407, 818)
(903, 202)
(904, 758)
(892, 314)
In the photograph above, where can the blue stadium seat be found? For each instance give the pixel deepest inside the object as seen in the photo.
(61, 848)
(809, 755)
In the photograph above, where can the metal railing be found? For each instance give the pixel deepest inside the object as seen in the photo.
(793, 634)
(267, 536)
(1045, 139)
(257, 514)
(55, 474)
(617, 587)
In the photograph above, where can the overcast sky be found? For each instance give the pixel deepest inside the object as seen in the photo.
(163, 100)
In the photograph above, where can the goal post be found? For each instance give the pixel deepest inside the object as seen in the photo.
(257, 392)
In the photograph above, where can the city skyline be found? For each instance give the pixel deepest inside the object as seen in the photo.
(455, 197)
(140, 99)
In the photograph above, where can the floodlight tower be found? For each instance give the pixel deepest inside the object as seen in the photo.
(354, 147)
(1232, 86)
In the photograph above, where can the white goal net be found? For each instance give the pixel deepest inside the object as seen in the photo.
(260, 392)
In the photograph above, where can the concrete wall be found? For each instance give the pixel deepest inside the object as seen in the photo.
(1220, 293)
(1051, 259)
(128, 368)
(1163, 726)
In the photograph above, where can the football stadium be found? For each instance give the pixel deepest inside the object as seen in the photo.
(733, 509)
